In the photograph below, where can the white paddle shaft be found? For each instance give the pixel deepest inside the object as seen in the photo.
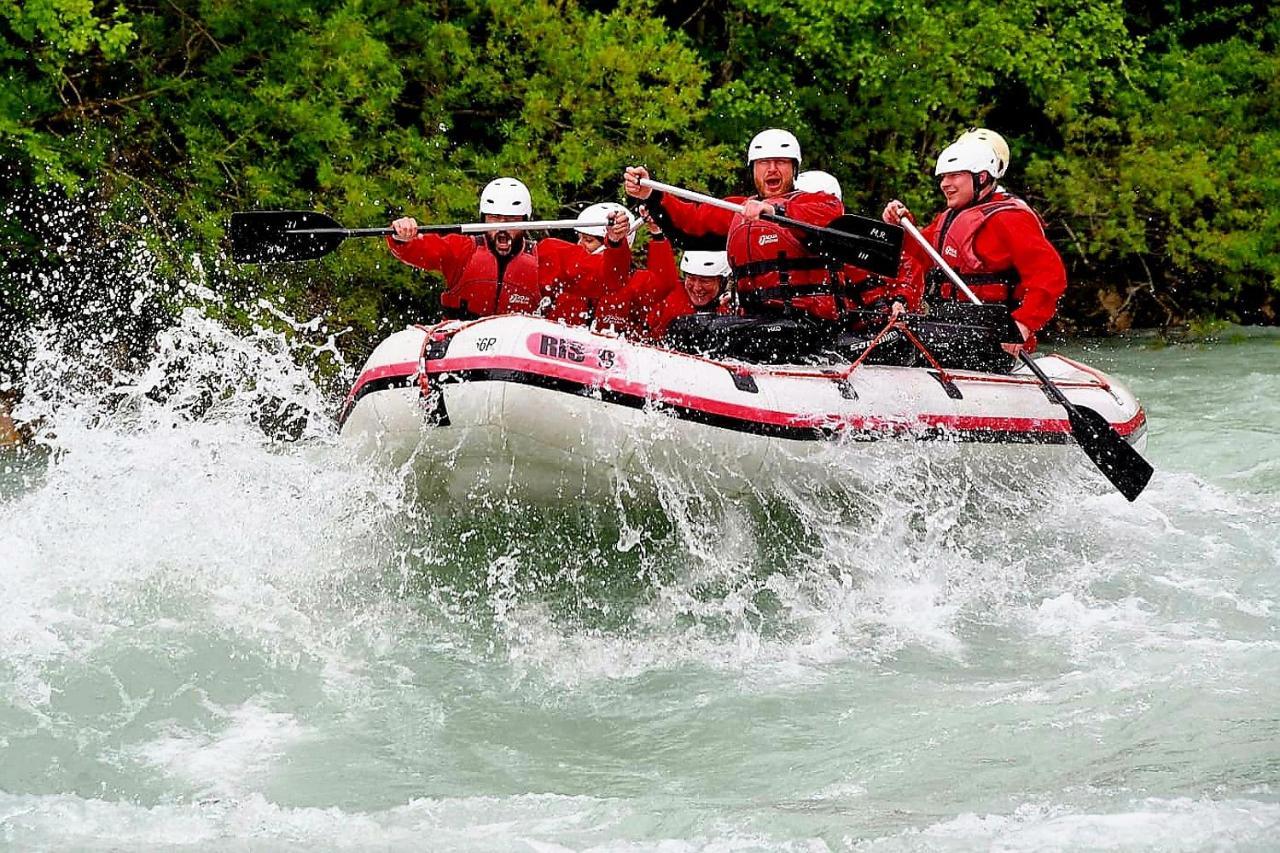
(550, 225)
(690, 195)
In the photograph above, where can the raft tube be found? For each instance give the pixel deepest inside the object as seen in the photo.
(522, 406)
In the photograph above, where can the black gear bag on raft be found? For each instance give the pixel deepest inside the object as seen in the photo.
(760, 340)
(959, 336)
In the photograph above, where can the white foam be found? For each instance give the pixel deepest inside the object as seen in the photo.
(169, 525)
(228, 763)
(160, 514)
(464, 823)
(1152, 824)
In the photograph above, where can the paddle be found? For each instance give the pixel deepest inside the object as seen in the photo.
(266, 236)
(1115, 457)
(866, 243)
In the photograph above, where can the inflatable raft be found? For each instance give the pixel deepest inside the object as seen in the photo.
(522, 406)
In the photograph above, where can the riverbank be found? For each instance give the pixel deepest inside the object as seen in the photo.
(10, 435)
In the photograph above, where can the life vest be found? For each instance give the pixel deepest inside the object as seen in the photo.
(771, 262)
(478, 292)
(955, 242)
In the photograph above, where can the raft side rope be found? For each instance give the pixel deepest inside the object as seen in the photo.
(875, 342)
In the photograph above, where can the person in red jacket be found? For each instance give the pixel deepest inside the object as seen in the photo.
(773, 266)
(857, 288)
(994, 240)
(629, 299)
(576, 296)
(499, 272)
(706, 275)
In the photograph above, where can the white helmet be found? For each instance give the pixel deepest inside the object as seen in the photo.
(599, 213)
(968, 155)
(995, 140)
(771, 143)
(705, 263)
(506, 196)
(815, 181)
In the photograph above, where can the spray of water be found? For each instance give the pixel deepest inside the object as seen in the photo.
(209, 607)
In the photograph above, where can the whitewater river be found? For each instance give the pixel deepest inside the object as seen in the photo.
(210, 639)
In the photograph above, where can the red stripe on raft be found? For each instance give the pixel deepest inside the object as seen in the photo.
(591, 378)
(404, 368)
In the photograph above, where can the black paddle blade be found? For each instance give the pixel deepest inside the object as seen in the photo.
(262, 236)
(1115, 457)
(860, 241)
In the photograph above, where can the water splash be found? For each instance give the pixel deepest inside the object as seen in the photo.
(217, 623)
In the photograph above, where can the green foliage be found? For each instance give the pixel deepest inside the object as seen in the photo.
(49, 49)
(62, 28)
(1182, 178)
(1147, 136)
(876, 89)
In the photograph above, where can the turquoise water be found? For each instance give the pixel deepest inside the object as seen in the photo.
(210, 639)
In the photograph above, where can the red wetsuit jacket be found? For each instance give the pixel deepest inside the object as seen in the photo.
(630, 303)
(674, 299)
(1000, 246)
(676, 304)
(575, 294)
(861, 289)
(771, 263)
(473, 286)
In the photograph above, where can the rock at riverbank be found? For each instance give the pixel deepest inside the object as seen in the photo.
(9, 434)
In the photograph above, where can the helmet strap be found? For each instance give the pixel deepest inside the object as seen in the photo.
(982, 185)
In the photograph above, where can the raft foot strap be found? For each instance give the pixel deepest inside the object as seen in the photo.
(744, 382)
(938, 372)
(842, 384)
(872, 344)
(947, 385)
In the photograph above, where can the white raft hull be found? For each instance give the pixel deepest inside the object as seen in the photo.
(521, 406)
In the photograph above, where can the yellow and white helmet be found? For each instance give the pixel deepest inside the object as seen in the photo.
(968, 155)
(995, 140)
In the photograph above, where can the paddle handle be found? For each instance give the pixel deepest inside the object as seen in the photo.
(702, 198)
(910, 228)
(690, 195)
(345, 232)
(537, 225)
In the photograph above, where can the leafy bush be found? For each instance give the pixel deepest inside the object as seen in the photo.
(1147, 136)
